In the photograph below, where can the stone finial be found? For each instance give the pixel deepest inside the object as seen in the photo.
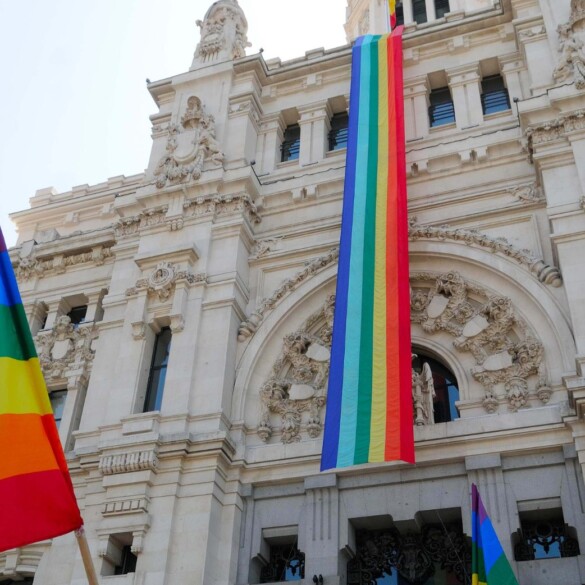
(223, 33)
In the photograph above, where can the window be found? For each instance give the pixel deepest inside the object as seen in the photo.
(494, 95)
(441, 110)
(399, 13)
(291, 145)
(441, 8)
(544, 535)
(401, 557)
(338, 132)
(58, 398)
(158, 370)
(419, 11)
(287, 563)
(119, 558)
(77, 314)
(433, 383)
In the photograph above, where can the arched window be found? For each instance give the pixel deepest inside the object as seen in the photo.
(444, 391)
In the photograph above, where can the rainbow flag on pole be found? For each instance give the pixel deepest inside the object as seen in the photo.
(489, 565)
(36, 493)
(369, 401)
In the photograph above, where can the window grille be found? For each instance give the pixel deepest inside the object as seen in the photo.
(158, 370)
(545, 539)
(338, 132)
(494, 95)
(419, 11)
(441, 8)
(441, 110)
(287, 563)
(291, 145)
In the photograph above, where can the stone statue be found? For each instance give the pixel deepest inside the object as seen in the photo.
(423, 393)
(223, 33)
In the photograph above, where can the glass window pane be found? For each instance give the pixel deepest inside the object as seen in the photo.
(291, 145)
(158, 371)
(58, 398)
(77, 314)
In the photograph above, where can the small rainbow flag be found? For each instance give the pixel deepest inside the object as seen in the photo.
(392, 13)
(489, 565)
(369, 401)
(37, 496)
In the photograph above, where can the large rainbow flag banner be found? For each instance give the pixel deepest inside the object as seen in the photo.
(369, 401)
(489, 565)
(36, 493)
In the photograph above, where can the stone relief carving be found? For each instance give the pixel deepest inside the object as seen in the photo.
(196, 138)
(486, 326)
(554, 130)
(571, 65)
(530, 193)
(66, 347)
(263, 247)
(544, 272)
(299, 377)
(162, 281)
(224, 31)
(31, 267)
(129, 226)
(312, 267)
(218, 206)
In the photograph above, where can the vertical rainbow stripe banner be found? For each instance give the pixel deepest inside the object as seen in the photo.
(36, 493)
(489, 565)
(369, 401)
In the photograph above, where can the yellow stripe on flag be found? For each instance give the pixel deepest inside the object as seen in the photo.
(23, 387)
(379, 365)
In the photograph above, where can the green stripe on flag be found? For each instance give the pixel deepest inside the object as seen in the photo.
(15, 339)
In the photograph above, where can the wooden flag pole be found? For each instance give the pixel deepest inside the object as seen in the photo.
(86, 556)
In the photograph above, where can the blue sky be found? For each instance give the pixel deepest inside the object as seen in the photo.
(74, 102)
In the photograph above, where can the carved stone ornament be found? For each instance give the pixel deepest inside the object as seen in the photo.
(162, 280)
(127, 462)
(31, 267)
(544, 272)
(423, 393)
(486, 326)
(249, 326)
(527, 194)
(66, 347)
(218, 206)
(189, 146)
(299, 377)
(224, 31)
(571, 65)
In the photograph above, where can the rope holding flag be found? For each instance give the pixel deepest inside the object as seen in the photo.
(36, 492)
(369, 400)
(489, 565)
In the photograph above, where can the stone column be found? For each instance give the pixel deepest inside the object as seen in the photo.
(243, 127)
(512, 68)
(465, 90)
(322, 526)
(431, 13)
(314, 122)
(270, 137)
(534, 42)
(416, 107)
(407, 10)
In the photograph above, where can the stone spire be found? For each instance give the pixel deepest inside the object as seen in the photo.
(223, 33)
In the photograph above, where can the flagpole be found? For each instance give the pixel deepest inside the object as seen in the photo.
(86, 556)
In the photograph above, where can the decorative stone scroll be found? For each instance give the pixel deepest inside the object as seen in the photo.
(223, 33)
(527, 194)
(162, 281)
(189, 146)
(66, 347)
(544, 272)
(486, 326)
(299, 377)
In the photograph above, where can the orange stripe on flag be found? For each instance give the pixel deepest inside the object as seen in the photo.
(28, 448)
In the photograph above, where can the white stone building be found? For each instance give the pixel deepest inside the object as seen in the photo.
(183, 316)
